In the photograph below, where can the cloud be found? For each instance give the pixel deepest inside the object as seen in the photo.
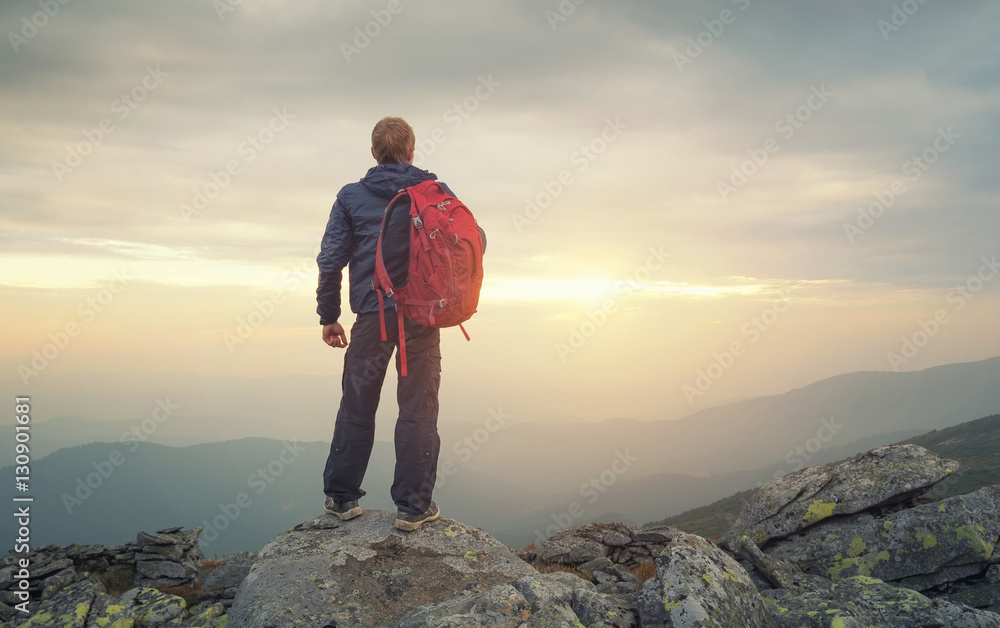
(556, 86)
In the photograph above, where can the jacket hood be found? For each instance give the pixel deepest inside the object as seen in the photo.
(386, 180)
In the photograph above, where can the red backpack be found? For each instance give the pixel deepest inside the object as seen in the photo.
(446, 262)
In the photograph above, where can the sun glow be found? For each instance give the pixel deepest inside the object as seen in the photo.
(588, 289)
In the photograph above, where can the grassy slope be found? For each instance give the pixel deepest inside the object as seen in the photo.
(975, 444)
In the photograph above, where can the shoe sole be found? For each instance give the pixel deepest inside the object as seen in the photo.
(410, 526)
(344, 516)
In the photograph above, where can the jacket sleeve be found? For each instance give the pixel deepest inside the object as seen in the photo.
(335, 253)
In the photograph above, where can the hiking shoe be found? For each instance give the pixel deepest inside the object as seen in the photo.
(345, 510)
(409, 522)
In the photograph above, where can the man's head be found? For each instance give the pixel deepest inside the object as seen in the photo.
(393, 141)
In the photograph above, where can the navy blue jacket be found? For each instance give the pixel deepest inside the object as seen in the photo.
(352, 235)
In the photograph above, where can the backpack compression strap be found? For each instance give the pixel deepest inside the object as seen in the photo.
(386, 283)
(382, 282)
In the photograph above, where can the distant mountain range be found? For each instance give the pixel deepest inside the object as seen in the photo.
(974, 444)
(517, 480)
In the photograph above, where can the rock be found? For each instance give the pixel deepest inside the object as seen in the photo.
(566, 548)
(538, 589)
(137, 607)
(555, 613)
(618, 543)
(778, 573)
(7, 613)
(861, 601)
(51, 568)
(151, 607)
(160, 573)
(144, 540)
(985, 596)
(173, 530)
(614, 538)
(927, 539)
(658, 535)
(796, 501)
(944, 575)
(57, 582)
(501, 606)
(697, 584)
(365, 572)
(91, 551)
(173, 553)
(7, 577)
(67, 609)
(209, 616)
(230, 574)
(604, 611)
(553, 599)
(86, 604)
(595, 565)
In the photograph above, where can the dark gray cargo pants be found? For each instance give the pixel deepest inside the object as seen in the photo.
(417, 441)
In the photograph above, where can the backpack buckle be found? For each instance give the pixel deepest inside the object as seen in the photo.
(419, 224)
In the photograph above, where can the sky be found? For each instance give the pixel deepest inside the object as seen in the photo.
(686, 203)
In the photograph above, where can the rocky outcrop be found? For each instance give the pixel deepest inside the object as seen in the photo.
(554, 599)
(364, 572)
(800, 599)
(697, 584)
(165, 559)
(919, 547)
(877, 479)
(812, 521)
(86, 604)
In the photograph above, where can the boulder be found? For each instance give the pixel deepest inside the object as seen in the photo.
(697, 584)
(860, 601)
(86, 604)
(231, 574)
(58, 581)
(878, 478)
(364, 572)
(554, 599)
(802, 599)
(223, 582)
(207, 616)
(930, 544)
(161, 573)
(140, 606)
(67, 609)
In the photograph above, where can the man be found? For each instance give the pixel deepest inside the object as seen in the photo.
(350, 240)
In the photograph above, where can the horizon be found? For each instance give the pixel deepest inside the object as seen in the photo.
(384, 427)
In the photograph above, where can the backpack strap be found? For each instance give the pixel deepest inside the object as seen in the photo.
(402, 344)
(382, 282)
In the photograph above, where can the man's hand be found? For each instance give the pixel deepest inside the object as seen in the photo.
(334, 335)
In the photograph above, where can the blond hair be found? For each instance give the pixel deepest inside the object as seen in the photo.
(392, 139)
